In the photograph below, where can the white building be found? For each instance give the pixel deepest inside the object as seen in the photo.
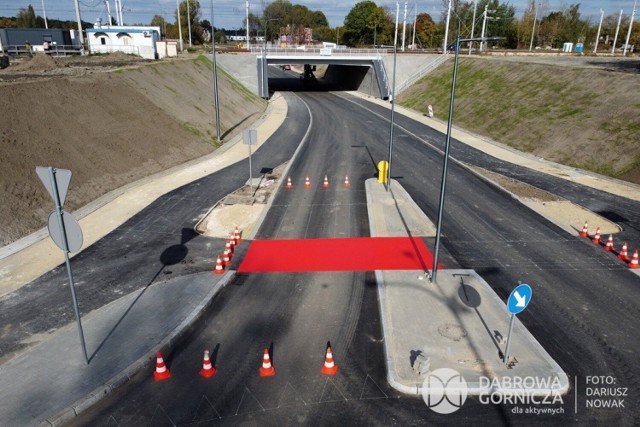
(128, 39)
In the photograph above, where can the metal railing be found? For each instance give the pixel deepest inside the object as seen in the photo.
(54, 50)
(318, 51)
(422, 71)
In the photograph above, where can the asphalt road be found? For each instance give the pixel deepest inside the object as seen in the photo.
(584, 312)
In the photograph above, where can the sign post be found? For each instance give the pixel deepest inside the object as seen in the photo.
(517, 302)
(250, 137)
(63, 229)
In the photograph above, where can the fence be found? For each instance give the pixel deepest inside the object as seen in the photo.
(54, 50)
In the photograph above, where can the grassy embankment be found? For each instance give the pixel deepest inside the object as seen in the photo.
(582, 117)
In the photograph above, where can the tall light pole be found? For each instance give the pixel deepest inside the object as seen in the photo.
(189, 21)
(216, 101)
(533, 29)
(615, 38)
(180, 25)
(595, 48)
(633, 15)
(265, 94)
(448, 144)
(446, 28)
(393, 104)
(473, 23)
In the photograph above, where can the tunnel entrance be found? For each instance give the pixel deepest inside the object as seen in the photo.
(308, 77)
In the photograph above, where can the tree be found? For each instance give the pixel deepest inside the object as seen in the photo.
(159, 21)
(363, 22)
(282, 16)
(192, 19)
(26, 18)
(427, 31)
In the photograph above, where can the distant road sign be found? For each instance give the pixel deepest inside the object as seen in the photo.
(62, 178)
(519, 298)
(72, 228)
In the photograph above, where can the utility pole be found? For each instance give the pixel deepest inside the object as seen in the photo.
(484, 27)
(248, 44)
(473, 24)
(595, 48)
(189, 21)
(533, 29)
(615, 39)
(395, 38)
(633, 15)
(415, 22)
(79, 26)
(109, 13)
(404, 25)
(44, 15)
(446, 29)
(180, 27)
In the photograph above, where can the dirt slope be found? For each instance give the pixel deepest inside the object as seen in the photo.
(108, 128)
(584, 117)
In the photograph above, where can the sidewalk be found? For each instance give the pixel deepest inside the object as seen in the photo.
(52, 381)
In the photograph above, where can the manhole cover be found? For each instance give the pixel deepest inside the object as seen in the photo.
(451, 331)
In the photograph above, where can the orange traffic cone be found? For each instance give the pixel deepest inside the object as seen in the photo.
(207, 370)
(226, 257)
(229, 246)
(623, 255)
(325, 184)
(289, 184)
(585, 231)
(267, 370)
(329, 367)
(219, 267)
(236, 235)
(232, 242)
(609, 245)
(162, 372)
(307, 183)
(634, 260)
(596, 237)
(346, 182)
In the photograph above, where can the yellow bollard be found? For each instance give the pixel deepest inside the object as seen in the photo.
(383, 170)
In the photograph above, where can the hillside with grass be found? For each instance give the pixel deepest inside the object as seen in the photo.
(588, 118)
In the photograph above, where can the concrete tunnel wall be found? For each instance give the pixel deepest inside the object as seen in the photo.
(345, 77)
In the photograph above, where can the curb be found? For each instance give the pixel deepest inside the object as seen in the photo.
(78, 407)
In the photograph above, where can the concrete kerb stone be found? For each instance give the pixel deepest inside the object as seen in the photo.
(123, 377)
(284, 174)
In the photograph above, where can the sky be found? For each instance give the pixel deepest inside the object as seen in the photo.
(229, 14)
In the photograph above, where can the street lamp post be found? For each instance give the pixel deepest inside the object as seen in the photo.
(393, 103)
(265, 94)
(216, 100)
(448, 144)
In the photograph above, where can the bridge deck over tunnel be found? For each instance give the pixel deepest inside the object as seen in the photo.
(346, 69)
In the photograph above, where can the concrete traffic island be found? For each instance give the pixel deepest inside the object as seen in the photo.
(457, 323)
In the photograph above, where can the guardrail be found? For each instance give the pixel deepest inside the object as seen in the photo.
(54, 50)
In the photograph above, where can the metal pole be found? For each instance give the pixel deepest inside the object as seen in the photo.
(180, 27)
(633, 15)
(250, 171)
(395, 37)
(446, 29)
(393, 107)
(484, 26)
(216, 101)
(446, 161)
(506, 350)
(473, 24)
(65, 249)
(79, 26)
(189, 21)
(615, 39)
(404, 25)
(415, 22)
(248, 44)
(595, 48)
(44, 15)
(533, 29)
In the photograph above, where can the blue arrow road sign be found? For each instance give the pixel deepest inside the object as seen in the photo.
(519, 298)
